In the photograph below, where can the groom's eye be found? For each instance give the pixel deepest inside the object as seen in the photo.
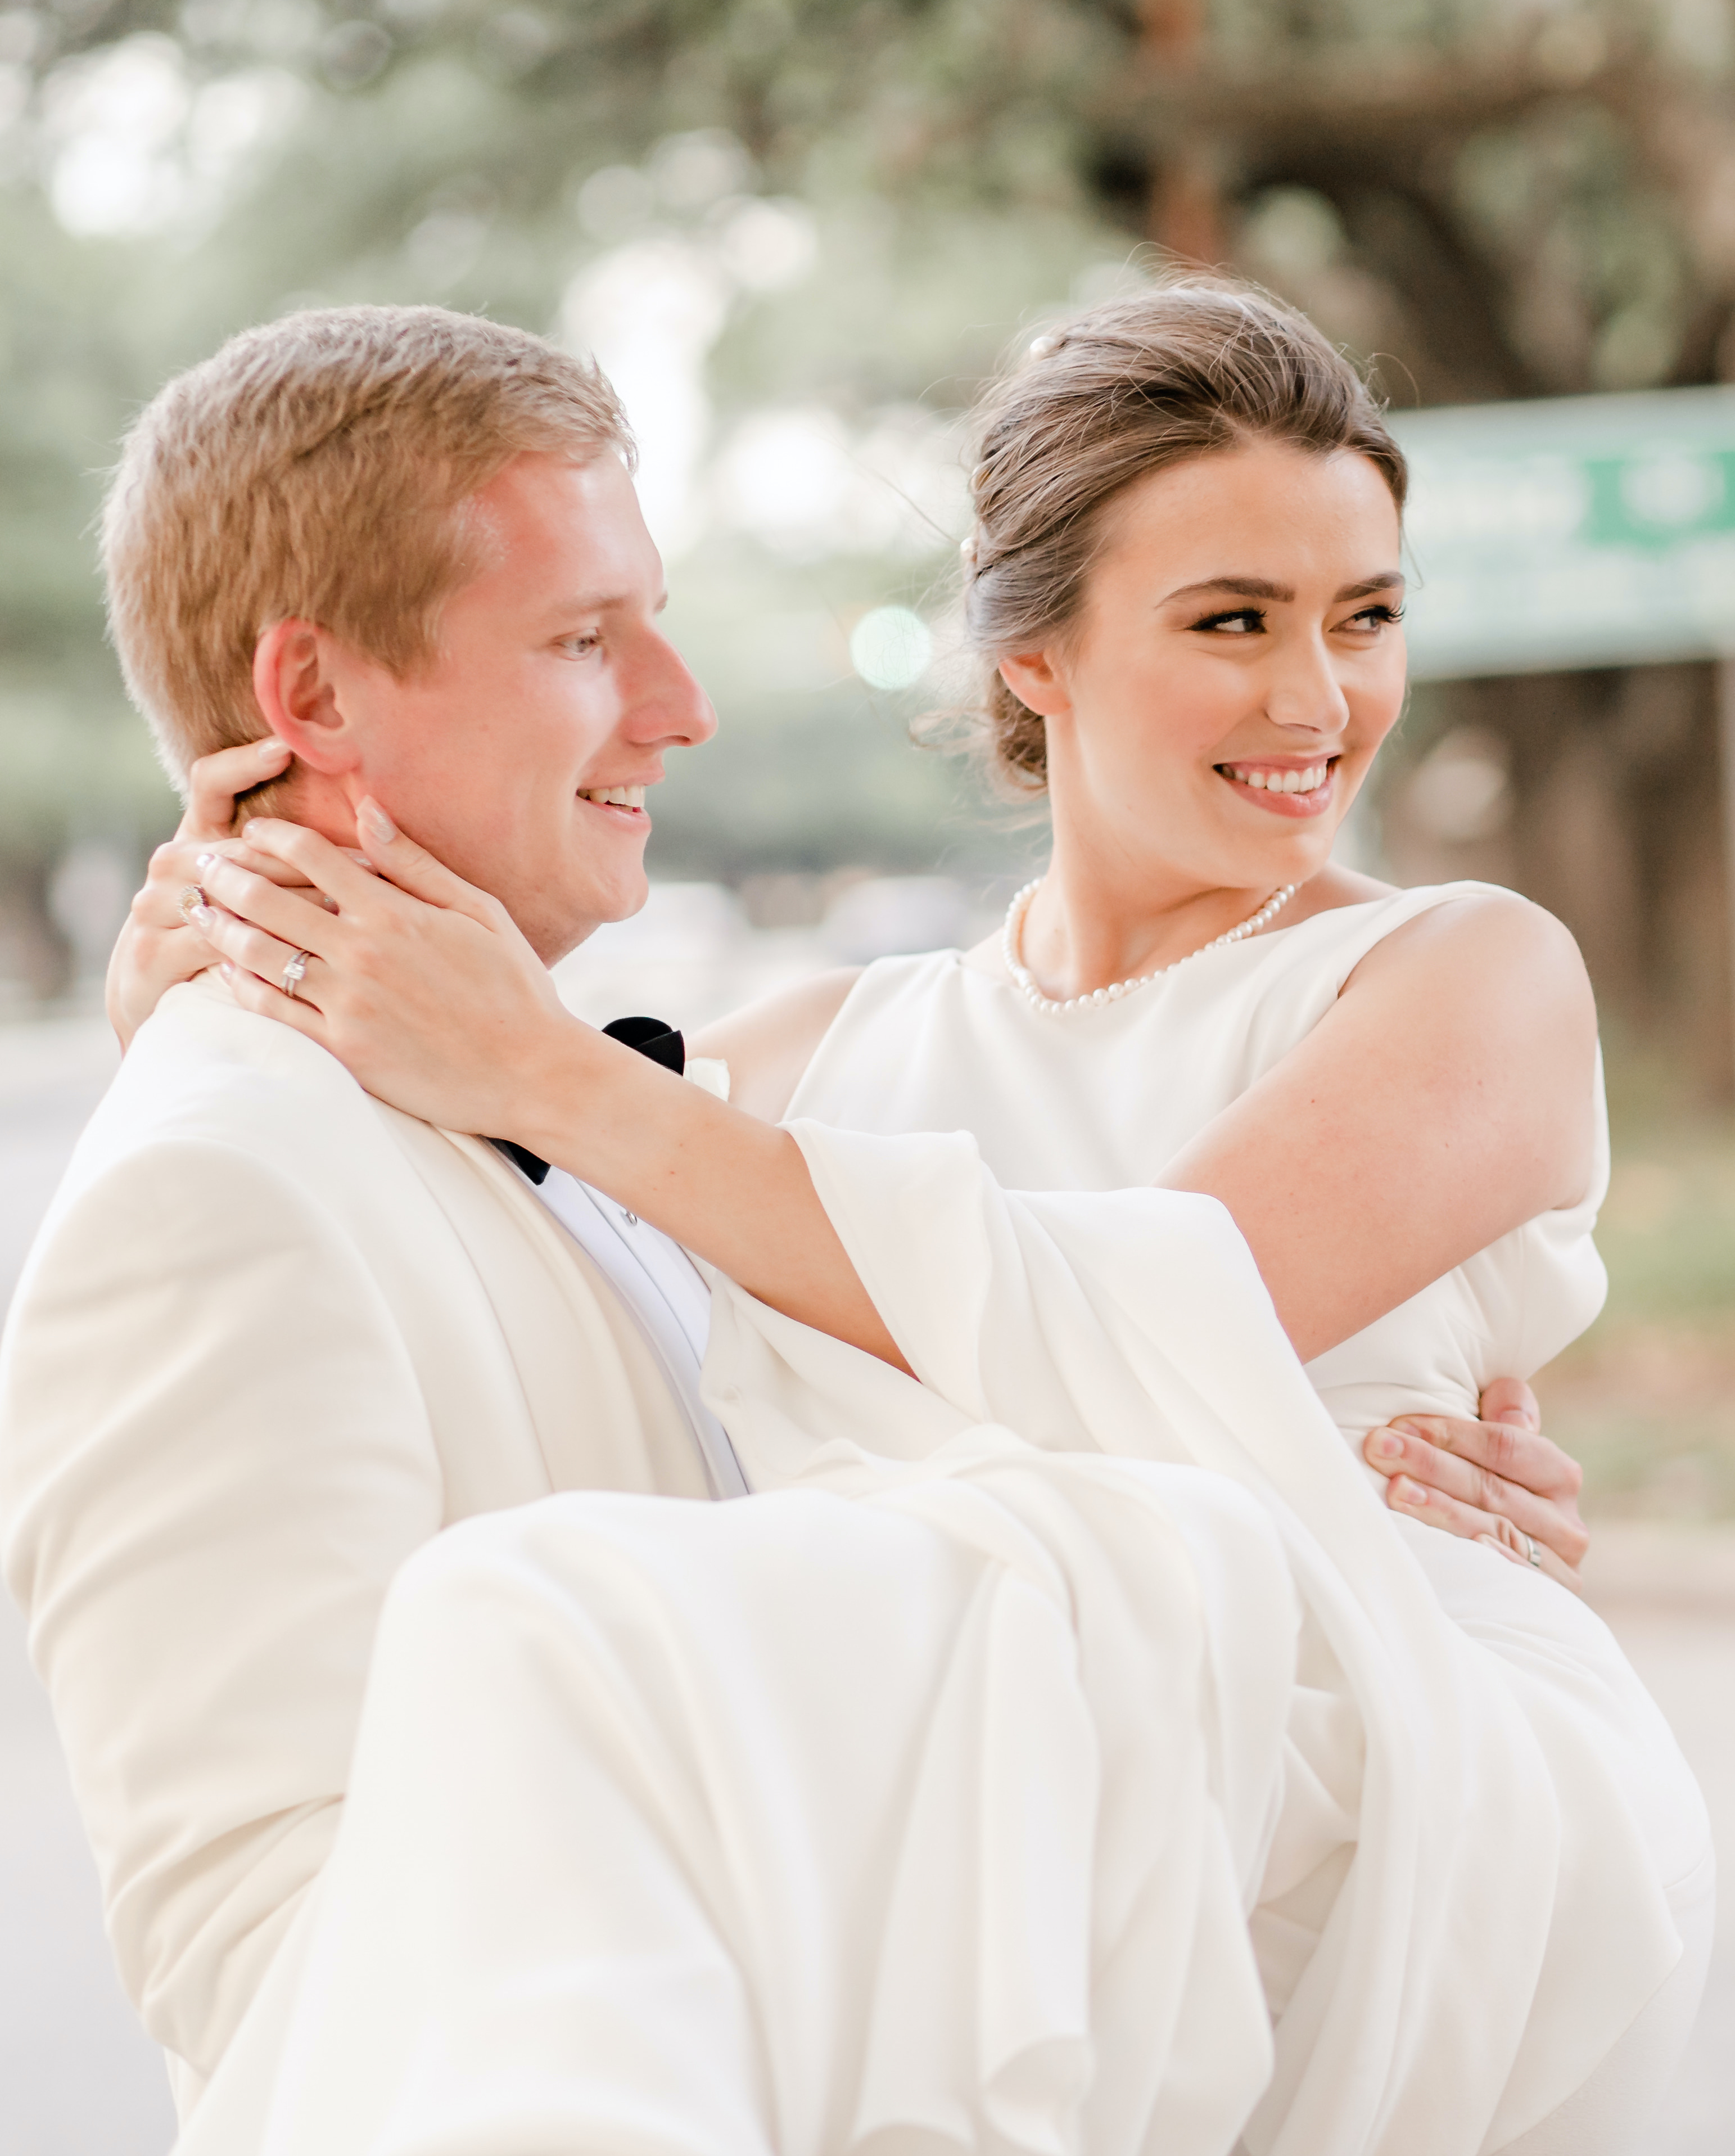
(582, 644)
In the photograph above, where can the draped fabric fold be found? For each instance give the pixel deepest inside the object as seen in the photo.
(1134, 1324)
(933, 1801)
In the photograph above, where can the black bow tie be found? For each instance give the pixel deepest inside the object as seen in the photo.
(650, 1036)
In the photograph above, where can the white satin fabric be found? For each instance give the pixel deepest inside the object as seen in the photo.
(924, 1806)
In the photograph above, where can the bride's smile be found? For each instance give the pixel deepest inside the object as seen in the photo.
(1285, 789)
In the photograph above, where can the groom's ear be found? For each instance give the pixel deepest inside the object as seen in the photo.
(294, 680)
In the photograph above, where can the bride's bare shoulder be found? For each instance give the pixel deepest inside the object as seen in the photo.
(1491, 966)
(768, 1044)
(1495, 938)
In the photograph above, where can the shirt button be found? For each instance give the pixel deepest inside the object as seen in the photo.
(631, 1219)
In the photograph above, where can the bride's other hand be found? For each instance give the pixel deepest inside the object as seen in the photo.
(159, 946)
(1498, 1480)
(417, 981)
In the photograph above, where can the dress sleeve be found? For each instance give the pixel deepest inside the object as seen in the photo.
(213, 1456)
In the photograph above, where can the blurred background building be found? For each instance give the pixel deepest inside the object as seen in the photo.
(798, 233)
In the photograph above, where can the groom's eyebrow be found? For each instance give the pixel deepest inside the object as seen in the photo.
(603, 602)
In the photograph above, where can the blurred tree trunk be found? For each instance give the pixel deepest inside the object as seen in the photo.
(1614, 823)
(34, 952)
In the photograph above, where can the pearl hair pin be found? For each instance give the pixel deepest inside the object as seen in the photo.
(1012, 940)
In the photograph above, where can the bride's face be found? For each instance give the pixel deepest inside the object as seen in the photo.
(1238, 661)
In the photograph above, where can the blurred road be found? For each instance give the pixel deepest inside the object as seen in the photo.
(78, 2078)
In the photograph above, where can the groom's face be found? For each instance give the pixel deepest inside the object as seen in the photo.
(552, 689)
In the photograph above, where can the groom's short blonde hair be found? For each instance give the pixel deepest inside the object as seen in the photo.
(320, 468)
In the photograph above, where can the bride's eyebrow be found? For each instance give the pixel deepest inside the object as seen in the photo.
(1258, 587)
(1240, 588)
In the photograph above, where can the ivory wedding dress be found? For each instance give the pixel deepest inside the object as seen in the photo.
(1065, 1752)
(1103, 1100)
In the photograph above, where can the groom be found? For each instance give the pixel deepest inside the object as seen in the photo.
(275, 1336)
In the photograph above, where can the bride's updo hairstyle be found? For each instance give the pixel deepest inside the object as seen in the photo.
(1128, 389)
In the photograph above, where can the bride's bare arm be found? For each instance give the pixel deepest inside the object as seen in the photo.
(443, 1009)
(1445, 1099)
(769, 1043)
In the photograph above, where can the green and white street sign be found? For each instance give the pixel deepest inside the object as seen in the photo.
(1572, 531)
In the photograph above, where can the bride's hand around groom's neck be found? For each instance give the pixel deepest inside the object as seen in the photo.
(423, 987)
(160, 943)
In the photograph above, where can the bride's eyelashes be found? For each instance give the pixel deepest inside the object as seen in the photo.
(1251, 621)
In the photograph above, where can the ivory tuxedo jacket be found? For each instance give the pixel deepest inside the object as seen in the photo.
(273, 1336)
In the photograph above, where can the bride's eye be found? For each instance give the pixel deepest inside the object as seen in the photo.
(1240, 621)
(1375, 616)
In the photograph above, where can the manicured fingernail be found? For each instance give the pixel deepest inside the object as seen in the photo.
(1489, 1541)
(208, 860)
(271, 749)
(1409, 1428)
(1384, 1444)
(251, 826)
(375, 823)
(1409, 1493)
(203, 916)
(227, 970)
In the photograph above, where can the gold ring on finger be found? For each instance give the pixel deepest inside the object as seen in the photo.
(294, 971)
(191, 896)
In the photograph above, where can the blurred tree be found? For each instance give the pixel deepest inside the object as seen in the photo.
(1510, 199)
(1490, 198)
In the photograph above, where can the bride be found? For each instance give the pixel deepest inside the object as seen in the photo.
(703, 1781)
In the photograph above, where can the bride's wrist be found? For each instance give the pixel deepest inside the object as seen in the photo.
(598, 1109)
(552, 1067)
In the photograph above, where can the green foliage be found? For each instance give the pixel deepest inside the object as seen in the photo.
(1495, 202)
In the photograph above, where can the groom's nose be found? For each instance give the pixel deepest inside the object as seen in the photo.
(666, 704)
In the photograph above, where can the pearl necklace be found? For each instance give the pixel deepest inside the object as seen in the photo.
(1012, 936)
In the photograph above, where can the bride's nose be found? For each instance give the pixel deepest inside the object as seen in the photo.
(1303, 688)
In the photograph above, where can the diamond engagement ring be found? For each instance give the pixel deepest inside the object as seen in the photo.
(295, 972)
(191, 896)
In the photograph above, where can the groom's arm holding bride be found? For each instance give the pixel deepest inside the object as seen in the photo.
(1497, 1478)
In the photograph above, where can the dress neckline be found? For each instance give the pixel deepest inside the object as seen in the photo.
(960, 959)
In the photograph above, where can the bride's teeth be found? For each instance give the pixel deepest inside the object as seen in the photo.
(1282, 782)
(615, 797)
